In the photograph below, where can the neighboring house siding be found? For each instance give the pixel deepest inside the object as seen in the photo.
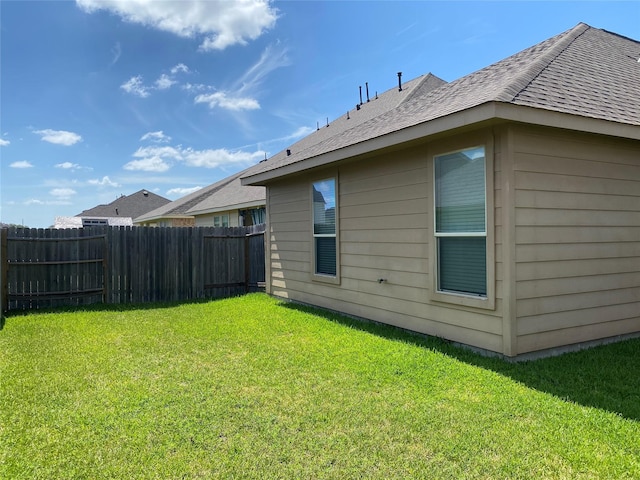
(182, 222)
(208, 220)
(385, 228)
(577, 237)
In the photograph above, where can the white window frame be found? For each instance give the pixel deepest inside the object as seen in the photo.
(218, 220)
(322, 277)
(460, 298)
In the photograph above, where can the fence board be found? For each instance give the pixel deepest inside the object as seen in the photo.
(115, 265)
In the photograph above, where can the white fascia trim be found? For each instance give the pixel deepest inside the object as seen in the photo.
(227, 208)
(159, 217)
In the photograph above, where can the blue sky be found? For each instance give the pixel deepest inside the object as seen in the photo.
(103, 98)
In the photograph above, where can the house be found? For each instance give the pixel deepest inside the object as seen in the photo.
(120, 212)
(500, 211)
(226, 203)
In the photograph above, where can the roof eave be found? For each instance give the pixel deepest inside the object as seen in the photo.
(567, 121)
(227, 208)
(416, 132)
(478, 114)
(160, 217)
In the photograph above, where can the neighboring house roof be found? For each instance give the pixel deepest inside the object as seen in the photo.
(585, 72)
(226, 194)
(130, 206)
(231, 196)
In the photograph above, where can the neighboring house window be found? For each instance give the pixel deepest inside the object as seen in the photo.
(221, 220)
(324, 227)
(253, 216)
(258, 215)
(460, 222)
(94, 222)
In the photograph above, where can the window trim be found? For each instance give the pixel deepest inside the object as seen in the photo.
(315, 276)
(459, 298)
(221, 217)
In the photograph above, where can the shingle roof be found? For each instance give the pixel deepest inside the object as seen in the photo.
(131, 206)
(225, 192)
(230, 196)
(584, 71)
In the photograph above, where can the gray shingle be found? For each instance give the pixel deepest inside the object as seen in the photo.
(131, 206)
(226, 190)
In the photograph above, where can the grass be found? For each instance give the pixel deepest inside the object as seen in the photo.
(253, 388)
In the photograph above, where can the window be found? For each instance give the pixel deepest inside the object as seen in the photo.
(324, 227)
(94, 222)
(254, 216)
(460, 222)
(221, 220)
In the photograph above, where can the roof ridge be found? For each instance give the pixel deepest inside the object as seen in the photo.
(418, 88)
(513, 89)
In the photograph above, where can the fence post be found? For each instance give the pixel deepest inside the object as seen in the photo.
(106, 274)
(247, 266)
(4, 270)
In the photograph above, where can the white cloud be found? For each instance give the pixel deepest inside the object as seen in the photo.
(160, 159)
(181, 192)
(164, 152)
(181, 67)
(272, 57)
(241, 95)
(134, 86)
(3, 142)
(35, 201)
(67, 165)
(105, 182)
(220, 23)
(116, 51)
(198, 87)
(71, 166)
(158, 137)
(62, 193)
(219, 157)
(299, 133)
(21, 164)
(151, 164)
(164, 82)
(59, 137)
(220, 99)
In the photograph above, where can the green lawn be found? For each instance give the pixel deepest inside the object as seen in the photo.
(253, 388)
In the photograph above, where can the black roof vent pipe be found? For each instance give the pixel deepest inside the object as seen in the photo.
(360, 87)
(367, 85)
(288, 152)
(399, 81)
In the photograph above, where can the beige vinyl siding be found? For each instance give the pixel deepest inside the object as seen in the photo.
(577, 237)
(385, 230)
(208, 221)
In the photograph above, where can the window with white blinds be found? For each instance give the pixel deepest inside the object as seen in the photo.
(460, 222)
(324, 227)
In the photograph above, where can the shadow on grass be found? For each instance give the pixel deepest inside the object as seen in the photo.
(606, 377)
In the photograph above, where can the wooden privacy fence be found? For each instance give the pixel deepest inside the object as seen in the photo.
(117, 265)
